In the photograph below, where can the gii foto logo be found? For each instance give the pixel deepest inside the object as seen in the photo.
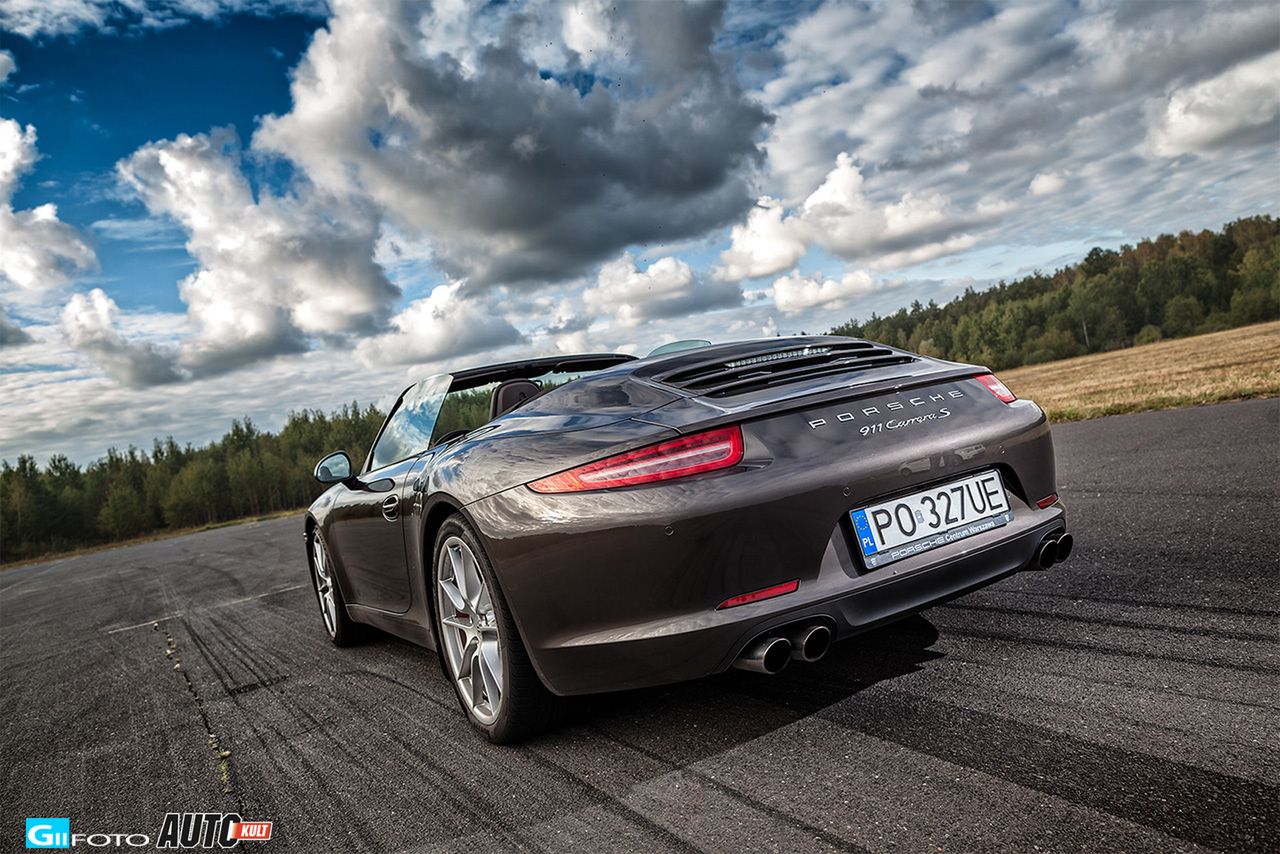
(48, 833)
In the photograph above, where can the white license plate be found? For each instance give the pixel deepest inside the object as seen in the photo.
(906, 526)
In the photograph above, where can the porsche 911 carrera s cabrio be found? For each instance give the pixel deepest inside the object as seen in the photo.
(581, 524)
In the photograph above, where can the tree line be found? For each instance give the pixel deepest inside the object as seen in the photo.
(1168, 287)
(248, 472)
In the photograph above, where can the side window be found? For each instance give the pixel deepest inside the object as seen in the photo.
(408, 430)
(463, 410)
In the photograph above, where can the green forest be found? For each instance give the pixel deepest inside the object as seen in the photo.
(1163, 288)
(1171, 286)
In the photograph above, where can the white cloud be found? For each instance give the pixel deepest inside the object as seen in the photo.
(1242, 102)
(38, 252)
(794, 292)
(273, 272)
(443, 325)
(7, 65)
(667, 288)
(765, 244)
(1046, 184)
(525, 160)
(35, 18)
(840, 217)
(89, 322)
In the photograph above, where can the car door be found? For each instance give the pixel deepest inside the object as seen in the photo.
(365, 532)
(366, 522)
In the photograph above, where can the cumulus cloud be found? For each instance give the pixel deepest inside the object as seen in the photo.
(35, 18)
(89, 322)
(38, 252)
(1241, 104)
(794, 292)
(273, 272)
(444, 324)
(841, 218)
(667, 288)
(7, 65)
(766, 243)
(977, 100)
(523, 161)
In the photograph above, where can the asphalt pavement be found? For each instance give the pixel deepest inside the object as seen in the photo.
(1128, 700)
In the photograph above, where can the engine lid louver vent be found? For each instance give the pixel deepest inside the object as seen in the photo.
(721, 378)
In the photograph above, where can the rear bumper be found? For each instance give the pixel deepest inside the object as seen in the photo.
(615, 590)
(674, 650)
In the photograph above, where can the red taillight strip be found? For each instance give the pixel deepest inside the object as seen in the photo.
(757, 595)
(1048, 501)
(996, 387)
(688, 455)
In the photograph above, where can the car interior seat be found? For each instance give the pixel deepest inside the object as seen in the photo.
(510, 394)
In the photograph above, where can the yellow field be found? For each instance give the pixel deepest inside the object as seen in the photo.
(1232, 365)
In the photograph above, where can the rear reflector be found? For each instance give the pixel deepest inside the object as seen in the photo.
(756, 596)
(1048, 501)
(996, 387)
(689, 455)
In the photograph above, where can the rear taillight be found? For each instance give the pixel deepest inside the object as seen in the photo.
(996, 387)
(703, 452)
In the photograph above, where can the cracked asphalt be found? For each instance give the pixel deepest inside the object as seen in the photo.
(1126, 701)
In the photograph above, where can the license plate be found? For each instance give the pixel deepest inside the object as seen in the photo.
(906, 526)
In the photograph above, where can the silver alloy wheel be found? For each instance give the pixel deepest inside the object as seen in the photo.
(469, 629)
(323, 578)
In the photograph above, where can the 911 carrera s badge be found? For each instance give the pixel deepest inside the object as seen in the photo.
(890, 407)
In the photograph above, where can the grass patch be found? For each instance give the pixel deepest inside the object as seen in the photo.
(1237, 364)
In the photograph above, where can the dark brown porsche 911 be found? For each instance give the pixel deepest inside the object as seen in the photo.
(591, 523)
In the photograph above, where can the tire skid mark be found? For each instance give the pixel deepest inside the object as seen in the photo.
(1225, 634)
(1140, 603)
(353, 820)
(598, 796)
(1105, 649)
(226, 772)
(782, 817)
(1113, 683)
(1212, 809)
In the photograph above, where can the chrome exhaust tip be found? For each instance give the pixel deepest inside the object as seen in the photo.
(809, 643)
(1065, 542)
(765, 655)
(1047, 554)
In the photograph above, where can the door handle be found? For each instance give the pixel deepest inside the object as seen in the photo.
(391, 508)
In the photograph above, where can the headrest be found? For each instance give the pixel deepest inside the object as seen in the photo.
(510, 394)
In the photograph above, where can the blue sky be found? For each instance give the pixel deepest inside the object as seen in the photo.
(248, 206)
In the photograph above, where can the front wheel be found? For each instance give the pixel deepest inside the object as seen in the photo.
(342, 630)
(480, 647)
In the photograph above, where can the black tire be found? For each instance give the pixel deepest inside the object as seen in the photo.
(344, 631)
(527, 707)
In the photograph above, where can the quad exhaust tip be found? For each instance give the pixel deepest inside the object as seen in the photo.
(769, 654)
(765, 655)
(809, 643)
(1054, 550)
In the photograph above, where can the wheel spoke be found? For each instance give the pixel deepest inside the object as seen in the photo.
(455, 596)
(455, 623)
(491, 684)
(492, 656)
(476, 679)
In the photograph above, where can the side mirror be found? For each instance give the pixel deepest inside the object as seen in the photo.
(335, 468)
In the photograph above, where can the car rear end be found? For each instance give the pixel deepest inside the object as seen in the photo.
(866, 484)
